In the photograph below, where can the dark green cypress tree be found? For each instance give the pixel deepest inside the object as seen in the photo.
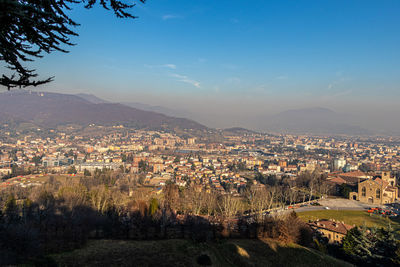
(10, 209)
(153, 206)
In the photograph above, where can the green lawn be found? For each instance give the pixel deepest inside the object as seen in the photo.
(351, 217)
(243, 252)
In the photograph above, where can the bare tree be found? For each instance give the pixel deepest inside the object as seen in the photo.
(228, 205)
(293, 195)
(258, 199)
(99, 198)
(272, 194)
(197, 200)
(73, 196)
(171, 197)
(211, 203)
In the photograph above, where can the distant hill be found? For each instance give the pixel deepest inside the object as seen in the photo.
(238, 131)
(313, 121)
(160, 109)
(52, 109)
(92, 98)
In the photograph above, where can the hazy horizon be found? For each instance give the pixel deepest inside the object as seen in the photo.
(313, 120)
(229, 64)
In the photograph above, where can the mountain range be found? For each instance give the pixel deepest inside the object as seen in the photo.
(51, 109)
(316, 120)
(47, 109)
(159, 109)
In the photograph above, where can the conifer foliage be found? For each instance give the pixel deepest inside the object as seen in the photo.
(371, 246)
(29, 28)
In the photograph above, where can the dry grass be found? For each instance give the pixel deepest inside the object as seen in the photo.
(352, 217)
(243, 252)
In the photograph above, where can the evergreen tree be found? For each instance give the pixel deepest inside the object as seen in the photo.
(357, 244)
(143, 166)
(86, 173)
(14, 169)
(10, 209)
(386, 244)
(371, 246)
(153, 206)
(72, 170)
(31, 28)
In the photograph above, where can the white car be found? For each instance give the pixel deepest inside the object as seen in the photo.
(327, 208)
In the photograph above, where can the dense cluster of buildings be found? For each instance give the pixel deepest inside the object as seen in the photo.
(221, 164)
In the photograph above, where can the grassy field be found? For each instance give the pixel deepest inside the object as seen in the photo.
(242, 252)
(351, 217)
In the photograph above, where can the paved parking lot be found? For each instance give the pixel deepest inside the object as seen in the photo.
(337, 204)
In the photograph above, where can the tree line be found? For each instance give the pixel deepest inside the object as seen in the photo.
(63, 214)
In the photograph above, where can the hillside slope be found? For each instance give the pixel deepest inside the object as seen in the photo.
(241, 252)
(52, 109)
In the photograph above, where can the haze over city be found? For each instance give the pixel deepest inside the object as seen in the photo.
(229, 63)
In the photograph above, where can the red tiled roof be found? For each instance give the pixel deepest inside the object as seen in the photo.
(337, 180)
(337, 227)
(354, 174)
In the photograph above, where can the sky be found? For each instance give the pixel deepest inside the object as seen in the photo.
(226, 62)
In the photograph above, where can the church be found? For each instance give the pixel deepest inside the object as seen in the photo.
(377, 190)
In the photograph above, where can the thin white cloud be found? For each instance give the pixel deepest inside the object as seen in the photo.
(282, 77)
(171, 16)
(169, 66)
(186, 79)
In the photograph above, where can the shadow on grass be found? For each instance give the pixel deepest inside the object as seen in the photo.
(272, 253)
(236, 252)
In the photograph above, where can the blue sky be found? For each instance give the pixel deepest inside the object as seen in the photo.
(237, 57)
